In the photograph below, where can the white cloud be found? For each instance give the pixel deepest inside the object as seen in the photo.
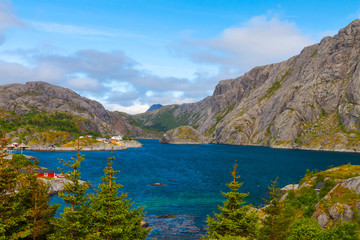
(259, 41)
(49, 72)
(83, 84)
(134, 109)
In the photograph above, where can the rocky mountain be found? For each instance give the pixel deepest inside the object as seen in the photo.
(154, 107)
(34, 97)
(308, 101)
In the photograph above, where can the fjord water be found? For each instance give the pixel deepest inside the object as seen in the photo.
(194, 175)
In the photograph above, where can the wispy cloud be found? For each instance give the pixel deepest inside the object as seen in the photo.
(78, 30)
(68, 29)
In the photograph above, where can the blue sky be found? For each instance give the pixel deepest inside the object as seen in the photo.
(131, 54)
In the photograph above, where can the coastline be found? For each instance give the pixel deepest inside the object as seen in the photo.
(98, 147)
(318, 148)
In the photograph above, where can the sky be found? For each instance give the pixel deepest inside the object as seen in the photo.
(130, 54)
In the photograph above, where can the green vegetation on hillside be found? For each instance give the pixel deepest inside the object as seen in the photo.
(292, 214)
(164, 120)
(43, 127)
(327, 132)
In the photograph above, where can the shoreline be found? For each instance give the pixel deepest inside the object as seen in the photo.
(318, 149)
(102, 147)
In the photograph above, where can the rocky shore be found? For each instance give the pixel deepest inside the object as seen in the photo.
(95, 147)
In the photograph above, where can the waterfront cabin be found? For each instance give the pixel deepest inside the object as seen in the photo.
(45, 172)
(11, 146)
(22, 146)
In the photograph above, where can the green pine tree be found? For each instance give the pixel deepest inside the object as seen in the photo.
(9, 176)
(111, 214)
(73, 222)
(278, 218)
(36, 212)
(235, 218)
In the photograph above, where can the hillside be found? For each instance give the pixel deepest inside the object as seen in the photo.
(183, 135)
(308, 101)
(50, 112)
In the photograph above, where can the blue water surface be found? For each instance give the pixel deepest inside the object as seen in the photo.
(193, 176)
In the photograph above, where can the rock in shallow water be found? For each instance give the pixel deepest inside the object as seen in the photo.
(167, 216)
(157, 184)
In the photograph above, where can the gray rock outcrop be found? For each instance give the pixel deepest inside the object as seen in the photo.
(290, 187)
(352, 183)
(342, 212)
(323, 219)
(57, 184)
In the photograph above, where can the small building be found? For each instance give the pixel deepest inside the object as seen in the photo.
(319, 186)
(22, 146)
(45, 172)
(88, 136)
(81, 137)
(119, 137)
(11, 146)
(100, 139)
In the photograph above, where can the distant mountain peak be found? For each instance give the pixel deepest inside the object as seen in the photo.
(154, 107)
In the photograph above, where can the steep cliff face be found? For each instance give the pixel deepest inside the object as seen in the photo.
(41, 96)
(310, 100)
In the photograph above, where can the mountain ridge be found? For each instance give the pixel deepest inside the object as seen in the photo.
(311, 100)
(44, 97)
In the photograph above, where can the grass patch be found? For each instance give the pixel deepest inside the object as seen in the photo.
(275, 86)
(343, 195)
(314, 53)
(239, 129)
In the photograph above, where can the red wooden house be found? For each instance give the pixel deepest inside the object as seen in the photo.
(46, 172)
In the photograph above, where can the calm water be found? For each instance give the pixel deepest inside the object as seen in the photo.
(193, 176)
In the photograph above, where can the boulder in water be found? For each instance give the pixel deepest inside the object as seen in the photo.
(157, 184)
